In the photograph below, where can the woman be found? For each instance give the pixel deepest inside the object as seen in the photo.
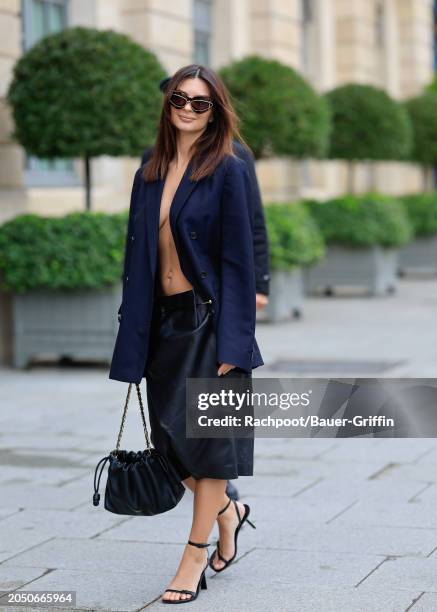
(188, 307)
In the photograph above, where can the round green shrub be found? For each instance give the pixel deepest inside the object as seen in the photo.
(423, 116)
(281, 114)
(422, 212)
(368, 124)
(362, 220)
(294, 238)
(81, 250)
(84, 92)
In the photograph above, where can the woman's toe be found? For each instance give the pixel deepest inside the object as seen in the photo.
(168, 596)
(217, 563)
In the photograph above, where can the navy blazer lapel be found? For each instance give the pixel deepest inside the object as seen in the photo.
(154, 191)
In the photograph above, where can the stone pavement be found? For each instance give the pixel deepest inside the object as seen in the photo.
(344, 524)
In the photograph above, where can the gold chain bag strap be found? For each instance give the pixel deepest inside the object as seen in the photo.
(140, 483)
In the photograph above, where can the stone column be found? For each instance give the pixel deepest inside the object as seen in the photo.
(231, 31)
(275, 30)
(11, 154)
(415, 23)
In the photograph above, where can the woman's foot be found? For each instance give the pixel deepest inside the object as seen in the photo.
(227, 522)
(190, 568)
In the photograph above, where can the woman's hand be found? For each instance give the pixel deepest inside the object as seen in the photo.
(224, 368)
(261, 301)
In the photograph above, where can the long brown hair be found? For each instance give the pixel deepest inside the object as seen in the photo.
(214, 143)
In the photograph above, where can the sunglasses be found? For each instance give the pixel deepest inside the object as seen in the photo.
(198, 104)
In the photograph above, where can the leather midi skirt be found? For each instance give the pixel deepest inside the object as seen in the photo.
(183, 345)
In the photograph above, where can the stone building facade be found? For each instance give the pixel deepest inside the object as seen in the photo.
(388, 43)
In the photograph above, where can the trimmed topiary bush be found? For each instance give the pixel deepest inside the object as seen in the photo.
(281, 113)
(84, 92)
(362, 220)
(294, 238)
(77, 251)
(367, 124)
(422, 212)
(423, 115)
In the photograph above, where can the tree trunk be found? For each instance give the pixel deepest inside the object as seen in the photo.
(372, 175)
(427, 178)
(351, 176)
(88, 182)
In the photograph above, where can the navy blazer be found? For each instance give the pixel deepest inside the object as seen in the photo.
(212, 225)
(260, 239)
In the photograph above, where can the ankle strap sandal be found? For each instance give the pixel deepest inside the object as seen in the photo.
(200, 585)
(241, 522)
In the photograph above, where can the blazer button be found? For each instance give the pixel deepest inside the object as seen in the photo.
(203, 274)
(193, 235)
(266, 277)
(132, 238)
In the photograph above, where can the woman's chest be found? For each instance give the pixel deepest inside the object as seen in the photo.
(184, 206)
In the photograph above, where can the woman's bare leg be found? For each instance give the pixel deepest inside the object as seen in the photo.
(227, 524)
(190, 483)
(209, 494)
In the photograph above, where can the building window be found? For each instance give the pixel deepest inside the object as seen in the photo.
(307, 45)
(202, 11)
(40, 18)
(306, 12)
(379, 24)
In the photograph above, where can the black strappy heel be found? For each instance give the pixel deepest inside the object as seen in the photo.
(241, 522)
(200, 585)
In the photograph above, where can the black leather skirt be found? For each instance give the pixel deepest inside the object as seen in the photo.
(183, 345)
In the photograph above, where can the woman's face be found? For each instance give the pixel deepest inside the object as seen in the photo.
(185, 119)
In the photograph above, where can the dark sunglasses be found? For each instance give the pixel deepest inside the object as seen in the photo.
(198, 104)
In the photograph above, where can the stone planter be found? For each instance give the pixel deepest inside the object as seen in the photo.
(372, 268)
(73, 324)
(285, 298)
(420, 256)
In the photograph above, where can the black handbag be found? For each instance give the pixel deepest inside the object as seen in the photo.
(141, 483)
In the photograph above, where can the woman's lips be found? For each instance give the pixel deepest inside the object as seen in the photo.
(185, 119)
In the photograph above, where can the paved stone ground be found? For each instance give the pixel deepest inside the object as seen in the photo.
(341, 524)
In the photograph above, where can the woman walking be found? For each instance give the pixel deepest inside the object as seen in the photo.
(188, 307)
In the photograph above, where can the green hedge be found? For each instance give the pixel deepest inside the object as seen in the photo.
(422, 212)
(294, 238)
(85, 250)
(280, 112)
(363, 220)
(86, 92)
(368, 124)
(80, 250)
(423, 115)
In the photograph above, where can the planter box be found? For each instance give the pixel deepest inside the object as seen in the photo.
(285, 297)
(73, 324)
(372, 268)
(419, 256)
